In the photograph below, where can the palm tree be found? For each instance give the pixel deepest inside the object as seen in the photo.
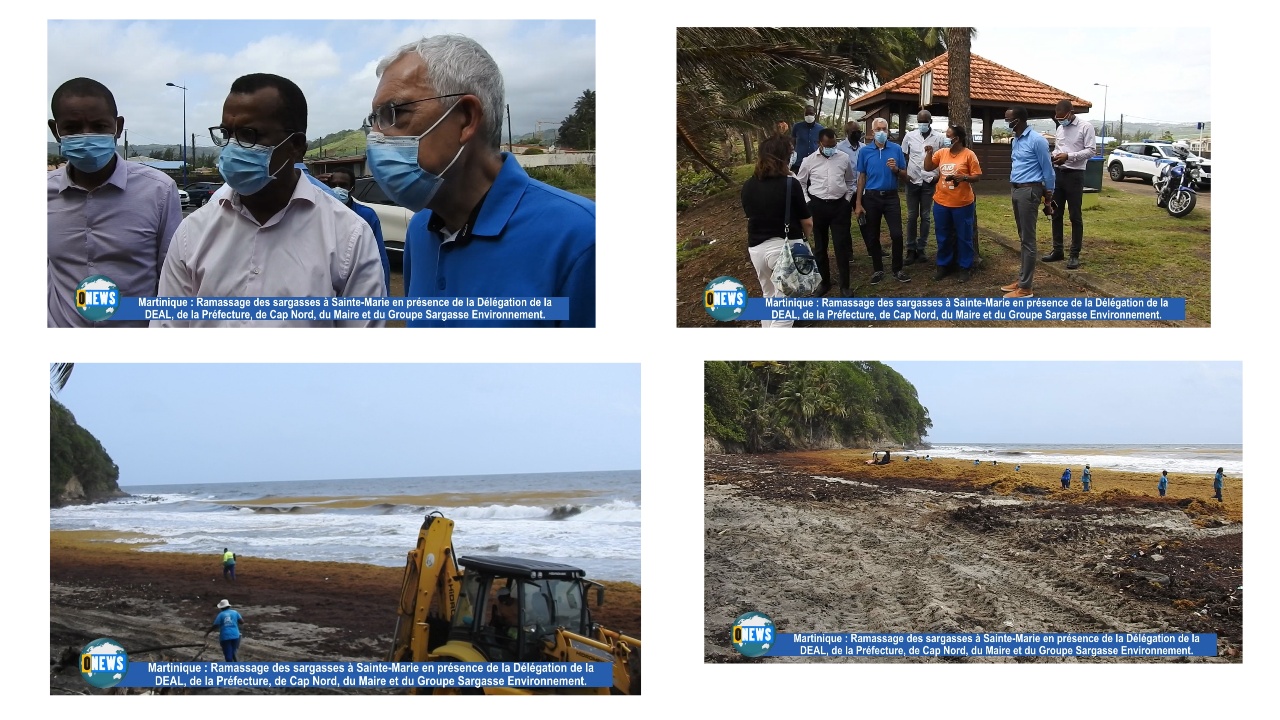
(735, 80)
(958, 44)
(59, 373)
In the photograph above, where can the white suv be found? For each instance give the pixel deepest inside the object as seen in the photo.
(1143, 160)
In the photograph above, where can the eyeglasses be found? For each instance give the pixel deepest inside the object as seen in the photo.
(383, 117)
(244, 137)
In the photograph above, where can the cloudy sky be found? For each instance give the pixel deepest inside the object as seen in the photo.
(545, 65)
(1154, 74)
(321, 421)
(1080, 402)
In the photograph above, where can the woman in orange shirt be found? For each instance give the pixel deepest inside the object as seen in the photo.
(953, 201)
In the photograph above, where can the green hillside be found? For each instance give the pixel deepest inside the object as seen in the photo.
(339, 144)
(767, 406)
(80, 470)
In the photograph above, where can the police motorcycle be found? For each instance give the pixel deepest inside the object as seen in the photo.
(1175, 182)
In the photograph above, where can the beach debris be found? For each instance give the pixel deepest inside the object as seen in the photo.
(1157, 557)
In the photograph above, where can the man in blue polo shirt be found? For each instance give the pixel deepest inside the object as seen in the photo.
(880, 165)
(1033, 182)
(483, 227)
(340, 184)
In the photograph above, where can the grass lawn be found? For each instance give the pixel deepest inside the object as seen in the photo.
(1128, 242)
(577, 179)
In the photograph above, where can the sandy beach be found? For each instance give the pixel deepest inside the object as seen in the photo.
(293, 610)
(821, 542)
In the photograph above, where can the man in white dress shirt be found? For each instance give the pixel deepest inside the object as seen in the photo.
(265, 234)
(1074, 145)
(827, 179)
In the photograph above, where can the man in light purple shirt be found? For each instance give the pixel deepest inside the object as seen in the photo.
(1072, 148)
(107, 216)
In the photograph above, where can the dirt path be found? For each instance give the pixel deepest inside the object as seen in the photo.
(843, 555)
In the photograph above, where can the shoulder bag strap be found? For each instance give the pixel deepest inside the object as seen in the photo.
(786, 217)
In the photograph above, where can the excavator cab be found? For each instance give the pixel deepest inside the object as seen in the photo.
(510, 608)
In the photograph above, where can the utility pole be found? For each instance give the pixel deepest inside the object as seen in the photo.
(126, 144)
(1121, 136)
(193, 148)
(508, 127)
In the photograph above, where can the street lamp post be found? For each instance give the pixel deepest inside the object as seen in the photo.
(184, 131)
(1105, 89)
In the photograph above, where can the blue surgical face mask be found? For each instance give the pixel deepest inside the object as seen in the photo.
(946, 142)
(828, 152)
(393, 161)
(247, 169)
(925, 129)
(882, 137)
(342, 194)
(88, 153)
(1063, 121)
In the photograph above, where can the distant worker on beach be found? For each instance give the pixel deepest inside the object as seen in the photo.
(228, 624)
(1017, 468)
(1217, 485)
(1085, 478)
(976, 462)
(1066, 479)
(1164, 482)
(228, 565)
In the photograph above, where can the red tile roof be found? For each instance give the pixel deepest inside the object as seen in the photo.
(989, 83)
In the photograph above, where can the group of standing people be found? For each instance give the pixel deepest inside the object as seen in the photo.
(481, 226)
(859, 178)
(1162, 485)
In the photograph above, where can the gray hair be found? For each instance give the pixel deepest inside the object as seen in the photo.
(879, 121)
(458, 64)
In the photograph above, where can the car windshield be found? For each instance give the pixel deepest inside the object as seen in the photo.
(1170, 151)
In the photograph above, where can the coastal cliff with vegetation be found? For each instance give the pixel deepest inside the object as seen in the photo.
(772, 406)
(80, 470)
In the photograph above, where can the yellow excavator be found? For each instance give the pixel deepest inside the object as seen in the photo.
(494, 609)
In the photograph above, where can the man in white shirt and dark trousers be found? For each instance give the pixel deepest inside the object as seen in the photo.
(1072, 148)
(827, 179)
(920, 186)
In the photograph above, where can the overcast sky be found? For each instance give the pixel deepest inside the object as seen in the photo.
(1080, 402)
(1154, 74)
(219, 423)
(545, 65)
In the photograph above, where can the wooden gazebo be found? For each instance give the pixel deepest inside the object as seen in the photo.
(993, 89)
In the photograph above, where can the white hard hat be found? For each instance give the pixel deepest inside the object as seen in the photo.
(223, 604)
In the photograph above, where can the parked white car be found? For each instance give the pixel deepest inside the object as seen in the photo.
(1143, 160)
(394, 219)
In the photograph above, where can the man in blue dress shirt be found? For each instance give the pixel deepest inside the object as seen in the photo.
(805, 135)
(1032, 179)
(341, 183)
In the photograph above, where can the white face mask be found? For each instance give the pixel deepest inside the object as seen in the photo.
(809, 118)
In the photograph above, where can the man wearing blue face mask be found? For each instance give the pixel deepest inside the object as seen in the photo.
(826, 177)
(1073, 146)
(107, 216)
(269, 232)
(340, 185)
(483, 227)
(880, 165)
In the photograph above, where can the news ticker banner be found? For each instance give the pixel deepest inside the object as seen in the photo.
(726, 299)
(104, 663)
(754, 636)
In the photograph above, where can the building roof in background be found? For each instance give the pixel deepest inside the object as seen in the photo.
(990, 83)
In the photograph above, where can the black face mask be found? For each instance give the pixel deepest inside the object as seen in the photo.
(854, 137)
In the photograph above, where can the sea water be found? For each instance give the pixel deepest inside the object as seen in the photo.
(1185, 459)
(590, 520)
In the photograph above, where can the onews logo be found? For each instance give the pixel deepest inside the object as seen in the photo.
(97, 298)
(103, 663)
(725, 298)
(753, 634)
